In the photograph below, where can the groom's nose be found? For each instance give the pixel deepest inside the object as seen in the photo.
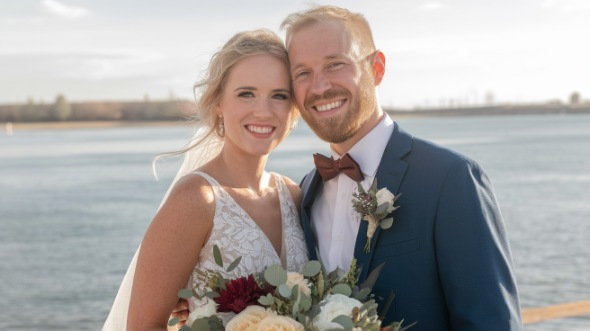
(320, 83)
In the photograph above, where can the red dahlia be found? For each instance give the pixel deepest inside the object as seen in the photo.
(239, 294)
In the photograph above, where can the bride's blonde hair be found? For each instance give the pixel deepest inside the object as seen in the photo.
(208, 91)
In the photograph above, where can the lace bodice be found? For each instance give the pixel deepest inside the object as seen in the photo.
(236, 234)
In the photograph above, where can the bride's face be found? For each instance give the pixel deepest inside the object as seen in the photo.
(257, 104)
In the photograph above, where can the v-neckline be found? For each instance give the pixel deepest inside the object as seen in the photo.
(250, 219)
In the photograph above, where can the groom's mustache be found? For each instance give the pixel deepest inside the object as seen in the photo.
(329, 95)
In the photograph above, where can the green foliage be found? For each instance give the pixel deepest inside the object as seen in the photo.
(275, 275)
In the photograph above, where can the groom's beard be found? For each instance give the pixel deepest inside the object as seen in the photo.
(345, 125)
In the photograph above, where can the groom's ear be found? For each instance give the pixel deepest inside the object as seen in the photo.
(378, 66)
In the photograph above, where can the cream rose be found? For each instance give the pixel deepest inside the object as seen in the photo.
(336, 305)
(295, 278)
(279, 323)
(248, 319)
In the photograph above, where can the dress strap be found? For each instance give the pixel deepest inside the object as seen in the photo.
(212, 181)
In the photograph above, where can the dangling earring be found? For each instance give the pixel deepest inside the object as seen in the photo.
(294, 124)
(221, 127)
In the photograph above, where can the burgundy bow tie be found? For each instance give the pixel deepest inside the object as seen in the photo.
(330, 168)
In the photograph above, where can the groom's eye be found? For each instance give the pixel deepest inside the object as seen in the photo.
(300, 75)
(335, 65)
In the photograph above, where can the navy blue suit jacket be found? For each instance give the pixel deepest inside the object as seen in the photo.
(447, 256)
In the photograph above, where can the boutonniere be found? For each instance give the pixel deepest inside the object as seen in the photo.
(374, 206)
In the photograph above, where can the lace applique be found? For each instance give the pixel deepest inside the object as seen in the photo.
(237, 234)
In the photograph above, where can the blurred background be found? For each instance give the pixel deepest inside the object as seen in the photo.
(91, 92)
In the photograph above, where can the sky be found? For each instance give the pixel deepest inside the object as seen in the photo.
(438, 53)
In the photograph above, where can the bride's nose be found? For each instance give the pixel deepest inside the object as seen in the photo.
(262, 109)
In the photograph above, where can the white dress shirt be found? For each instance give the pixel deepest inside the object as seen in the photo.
(334, 222)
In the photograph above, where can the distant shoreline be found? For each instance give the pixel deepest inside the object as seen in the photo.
(68, 125)
(395, 113)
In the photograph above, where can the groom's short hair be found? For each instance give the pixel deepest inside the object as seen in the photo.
(356, 24)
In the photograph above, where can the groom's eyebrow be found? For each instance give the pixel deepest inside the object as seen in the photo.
(329, 57)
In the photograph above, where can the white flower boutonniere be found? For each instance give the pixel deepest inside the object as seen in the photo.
(374, 206)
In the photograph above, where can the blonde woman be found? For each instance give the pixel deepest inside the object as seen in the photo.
(223, 195)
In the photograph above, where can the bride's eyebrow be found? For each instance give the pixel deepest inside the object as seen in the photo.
(248, 88)
(282, 90)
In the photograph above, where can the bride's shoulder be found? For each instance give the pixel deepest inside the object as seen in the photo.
(293, 188)
(192, 190)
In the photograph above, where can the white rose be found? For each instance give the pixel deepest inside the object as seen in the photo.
(384, 196)
(294, 278)
(336, 305)
(279, 323)
(206, 310)
(248, 319)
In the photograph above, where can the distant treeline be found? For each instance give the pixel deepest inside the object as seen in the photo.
(175, 110)
(61, 110)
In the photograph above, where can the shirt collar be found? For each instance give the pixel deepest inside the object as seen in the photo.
(368, 151)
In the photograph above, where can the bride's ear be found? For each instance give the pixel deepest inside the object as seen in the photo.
(218, 111)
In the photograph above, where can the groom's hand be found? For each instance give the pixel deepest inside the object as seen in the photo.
(181, 312)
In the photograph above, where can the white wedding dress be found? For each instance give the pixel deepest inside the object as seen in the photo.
(236, 234)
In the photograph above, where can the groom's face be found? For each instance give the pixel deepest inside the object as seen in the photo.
(333, 83)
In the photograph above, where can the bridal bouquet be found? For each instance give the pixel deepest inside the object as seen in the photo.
(280, 300)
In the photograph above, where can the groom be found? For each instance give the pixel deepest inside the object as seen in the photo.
(447, 257)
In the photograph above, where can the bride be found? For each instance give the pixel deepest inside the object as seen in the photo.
(222, 195)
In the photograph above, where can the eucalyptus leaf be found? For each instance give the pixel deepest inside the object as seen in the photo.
(284, 290)
(173, 321)
(381, 209)
(211, 295)
(200, 324)
(266, 300)
(305, 304)
(236, 262)
(275, 275)
(386, 223)
(343, 289)
(185, 293)
(185, 328)
(345, 321)
(217, 256)
(312, 268)
(295, 307)
(374, 185)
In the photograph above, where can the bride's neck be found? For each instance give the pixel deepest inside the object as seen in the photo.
(241, 171)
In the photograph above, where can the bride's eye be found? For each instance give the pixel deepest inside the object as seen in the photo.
(246, 94)
(281, 96)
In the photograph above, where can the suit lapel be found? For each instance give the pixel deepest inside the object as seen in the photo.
(309, 186)
(390, 174)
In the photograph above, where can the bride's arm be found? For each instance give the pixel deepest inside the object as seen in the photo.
(169, 253)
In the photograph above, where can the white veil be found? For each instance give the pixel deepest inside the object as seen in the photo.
(206, 145)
